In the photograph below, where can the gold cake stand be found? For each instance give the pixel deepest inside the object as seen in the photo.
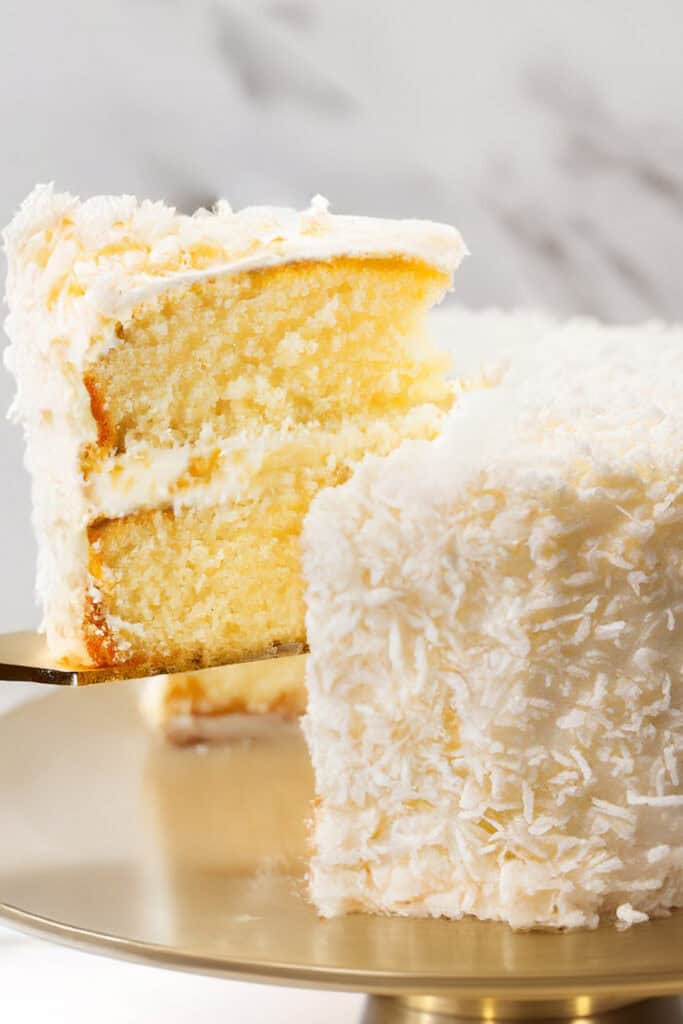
(194, 860)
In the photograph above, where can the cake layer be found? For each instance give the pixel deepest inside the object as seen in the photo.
(198, 587)
(495, 678)
(305, 342)
(78, 269)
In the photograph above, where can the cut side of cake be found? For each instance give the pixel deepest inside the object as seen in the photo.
(495, 618)
(187, 385)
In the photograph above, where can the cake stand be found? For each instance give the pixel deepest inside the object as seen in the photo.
(194, 859)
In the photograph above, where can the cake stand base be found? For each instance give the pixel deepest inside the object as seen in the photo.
(447, 1010)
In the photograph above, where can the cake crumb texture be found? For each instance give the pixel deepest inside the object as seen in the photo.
(299, 343)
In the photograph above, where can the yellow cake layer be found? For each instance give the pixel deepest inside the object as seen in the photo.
(301, 342)
(200, 586)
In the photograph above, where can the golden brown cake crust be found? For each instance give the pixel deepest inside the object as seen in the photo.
(105, 430)
(98, 638)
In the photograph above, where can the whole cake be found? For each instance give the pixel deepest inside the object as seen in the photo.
(495, 683)
(187, 384)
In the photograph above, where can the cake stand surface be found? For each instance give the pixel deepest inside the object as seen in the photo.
(195, 860)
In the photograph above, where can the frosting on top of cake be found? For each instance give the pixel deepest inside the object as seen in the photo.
(86, 264)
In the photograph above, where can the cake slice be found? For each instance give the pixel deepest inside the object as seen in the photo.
(495, 621)
(187, 384)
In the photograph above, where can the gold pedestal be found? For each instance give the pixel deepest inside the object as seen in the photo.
(584, 1009)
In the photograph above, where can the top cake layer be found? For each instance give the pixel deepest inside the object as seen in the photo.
(123, 295)
(87, 264)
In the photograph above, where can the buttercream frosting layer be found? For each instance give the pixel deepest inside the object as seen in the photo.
(230, 469)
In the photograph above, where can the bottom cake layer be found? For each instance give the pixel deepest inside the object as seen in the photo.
(198, 587)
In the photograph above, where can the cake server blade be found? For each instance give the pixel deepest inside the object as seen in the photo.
(24, 657)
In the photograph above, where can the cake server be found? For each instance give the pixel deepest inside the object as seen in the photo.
(24, 657)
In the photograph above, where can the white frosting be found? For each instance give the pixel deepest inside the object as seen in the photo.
(496, 631)
(77, 269)
(54, 408)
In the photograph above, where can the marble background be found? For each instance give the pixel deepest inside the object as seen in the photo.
(551, 134)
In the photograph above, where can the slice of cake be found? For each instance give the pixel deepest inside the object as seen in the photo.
(496, 629)
(187, 384)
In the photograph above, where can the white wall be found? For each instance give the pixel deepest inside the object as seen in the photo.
(550, 133)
